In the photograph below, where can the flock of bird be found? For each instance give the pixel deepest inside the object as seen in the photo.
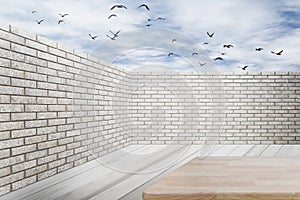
(114, 35)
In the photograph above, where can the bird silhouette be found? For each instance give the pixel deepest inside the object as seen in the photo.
(202, 64)
(170, 54)
(210, 34)
(194, 53)
(112, 38)
(60, 21)
(227, 46)
(118, 6)
(277, 53)
(39, 22)
(93, 37)
(34, 11)
(144, 5)
(205, 43)
(243, 68)
(218, 58)
(160, 18)
(222, 53)
(148, 25)
(259, 49)
(115, 34)
(63, 15)
(112, 15)
(174, 40)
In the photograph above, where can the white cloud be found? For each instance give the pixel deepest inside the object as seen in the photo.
(245, 24)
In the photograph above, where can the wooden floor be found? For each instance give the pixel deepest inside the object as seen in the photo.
(228, 178)
(124, 174)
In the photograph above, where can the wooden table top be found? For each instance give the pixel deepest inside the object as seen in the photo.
(230, 178)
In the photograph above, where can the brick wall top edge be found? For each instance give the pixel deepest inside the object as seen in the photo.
(17, 31)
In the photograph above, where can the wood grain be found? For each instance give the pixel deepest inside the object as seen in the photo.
(230, 178)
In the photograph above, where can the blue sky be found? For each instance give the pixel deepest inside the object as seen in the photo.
(246, 24)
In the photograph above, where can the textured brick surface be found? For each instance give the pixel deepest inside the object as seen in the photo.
(51, 101)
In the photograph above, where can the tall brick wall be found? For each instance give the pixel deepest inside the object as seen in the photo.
(229, 108)
(60, 108)
(55, 108)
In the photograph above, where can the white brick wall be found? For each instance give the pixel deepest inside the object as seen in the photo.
(259, 108)
(49, 106)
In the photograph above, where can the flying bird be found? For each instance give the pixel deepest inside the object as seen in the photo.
(202, 64)
(218, 58)
(60, 21)
(112, 15)
(227, 46)
(148, 25)
(243, 68)
(160, 18)
(93, 37)
(118, 6)
(259, 49)
(33, 11)
(194, 53)
(170, 54)
(222, 53)
(115, 34)
(63, 15)
(174, 40)
(39, 22)
(205, 43)
(144, 5)
(210, 34)
(112, 38)
(277, 53)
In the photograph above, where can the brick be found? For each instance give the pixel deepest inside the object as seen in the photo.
(48, 144)
(35, 170)
(35, 123)
(35, 76)
(36, 45)
(23, 100)
(45, 100)
(12, 37)
(22, 116)
(35, 155)
(24, 182)
(35, 108)
(23, 49)
(4, 153)
(46, 115)
(4, 126)
(23, 133)
(11, 161)
(4, 117)
(56, 163)
(22, 33)
(23, 66)
(11, 90)
(47, 174)
(23, 149)
(11, 178)
(47, 86)
(47, 71)
(23, 166)
(4, 135)
(35, 92)
(46, 41)
(4, 190)
(47, 159)
(4, 44)
(35, 139)
(5, 171)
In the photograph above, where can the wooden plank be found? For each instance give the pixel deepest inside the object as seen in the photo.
(289, 151)
(121, 189)
(224, 150)
(271, 151)
(230, 178)
(241, 150)
(257, 150)
(133, 164)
